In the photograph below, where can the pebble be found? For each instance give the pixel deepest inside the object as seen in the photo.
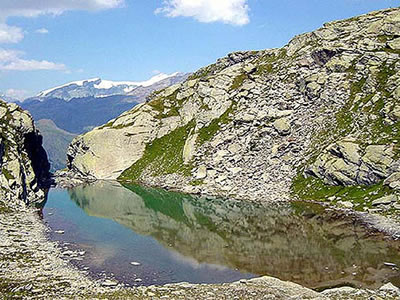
(134, 263)
(109, 283)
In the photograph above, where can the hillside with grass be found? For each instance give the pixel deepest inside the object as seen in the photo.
(317, 119)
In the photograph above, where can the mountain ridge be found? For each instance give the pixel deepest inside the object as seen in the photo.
(276, 124)
(97, 87)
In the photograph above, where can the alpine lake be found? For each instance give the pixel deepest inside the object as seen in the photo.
(145, 236)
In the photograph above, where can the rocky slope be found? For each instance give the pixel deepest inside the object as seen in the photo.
(316, 118)
(23, 161)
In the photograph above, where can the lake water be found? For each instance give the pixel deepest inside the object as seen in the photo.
(175, 237)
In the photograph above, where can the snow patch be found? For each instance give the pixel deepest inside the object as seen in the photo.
(78, 83)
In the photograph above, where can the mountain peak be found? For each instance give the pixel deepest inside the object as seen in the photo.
(97, 87)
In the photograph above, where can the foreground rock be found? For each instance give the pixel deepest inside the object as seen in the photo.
(244, 127)
(23, 161)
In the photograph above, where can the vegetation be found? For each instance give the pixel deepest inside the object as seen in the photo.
(207, 133)
(238, 81)
(311, 188)
(163, 156)
(364, 119)
(268, 63)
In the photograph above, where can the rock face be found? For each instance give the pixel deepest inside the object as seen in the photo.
(327, 102)
(23, 161)
(345, 163)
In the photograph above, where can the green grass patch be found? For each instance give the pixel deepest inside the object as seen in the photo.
(158, 104)
(7, 174)
(238, 81)
(163, 156)
(197, 182)
(208, 132)
(315, 189)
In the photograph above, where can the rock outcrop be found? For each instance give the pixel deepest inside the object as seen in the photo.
(248, 124)
(23, 161)
(346, 163)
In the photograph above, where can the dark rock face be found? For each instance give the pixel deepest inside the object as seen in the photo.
(37, 155)
(24, 166)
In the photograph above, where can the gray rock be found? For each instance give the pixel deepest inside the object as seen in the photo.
(201, 172)
(393, 181)
(385, 200)
(282, 126)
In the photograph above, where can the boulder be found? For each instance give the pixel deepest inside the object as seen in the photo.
(345, 163)
(282, 126)
(385, 200)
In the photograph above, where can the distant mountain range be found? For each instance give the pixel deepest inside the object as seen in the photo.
(79, 106)
(98, 87)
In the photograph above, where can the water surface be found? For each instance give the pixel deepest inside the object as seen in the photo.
(176, 237)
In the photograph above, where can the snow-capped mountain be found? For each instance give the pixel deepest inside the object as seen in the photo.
(98, 87)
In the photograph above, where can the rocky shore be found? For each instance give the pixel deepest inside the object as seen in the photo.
(316, 120)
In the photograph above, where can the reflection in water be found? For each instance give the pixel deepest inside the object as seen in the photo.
(297, 242)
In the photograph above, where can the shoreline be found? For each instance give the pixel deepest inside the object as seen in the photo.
(32, 266)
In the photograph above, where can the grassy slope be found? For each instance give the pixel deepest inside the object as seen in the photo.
(56, 142)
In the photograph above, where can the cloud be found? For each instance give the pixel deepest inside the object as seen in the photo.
(42, 31)
(10, 34)
(11, 60)
(234, 12)
(29, 8)
(16, 94)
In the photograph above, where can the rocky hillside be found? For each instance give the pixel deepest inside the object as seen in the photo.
(317, 118)
(23, 161)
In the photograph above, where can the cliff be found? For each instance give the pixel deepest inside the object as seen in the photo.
(23, 161)
(321, 112)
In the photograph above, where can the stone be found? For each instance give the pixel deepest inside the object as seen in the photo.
(109, 283)
(385, 200)
(134, 263)
(394, 44)
(345, 204)
(201, 172)
(282, 126)
(393, 181)
(389, 287)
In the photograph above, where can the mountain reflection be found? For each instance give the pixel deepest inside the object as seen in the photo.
(297, 242)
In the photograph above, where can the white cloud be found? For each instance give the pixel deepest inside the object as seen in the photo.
(10, 34)
(16, 94)
(34, 8)
(29, 8)
(233, 12)
(42, 31)
(11, 60)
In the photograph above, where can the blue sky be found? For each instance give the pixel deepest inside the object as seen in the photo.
(45, 44)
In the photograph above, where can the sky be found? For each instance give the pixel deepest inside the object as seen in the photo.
(46, 43)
